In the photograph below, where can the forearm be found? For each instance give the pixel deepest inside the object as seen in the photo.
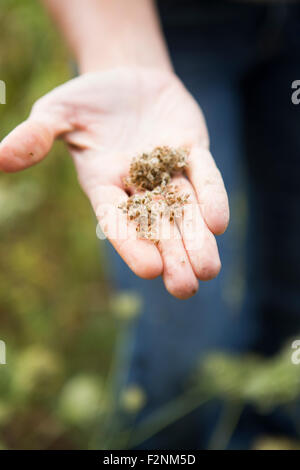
(111, 33)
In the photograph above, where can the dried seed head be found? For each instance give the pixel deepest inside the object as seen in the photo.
(151, 173)
(153, 169)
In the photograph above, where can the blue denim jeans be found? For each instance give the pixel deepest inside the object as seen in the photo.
(239, 62)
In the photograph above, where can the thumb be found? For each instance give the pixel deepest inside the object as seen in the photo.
(30, 142)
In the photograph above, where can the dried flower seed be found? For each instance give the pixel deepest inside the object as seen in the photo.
(150, 173)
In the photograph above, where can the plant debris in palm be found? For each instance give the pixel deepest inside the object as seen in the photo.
(150, 174)
(150, 170)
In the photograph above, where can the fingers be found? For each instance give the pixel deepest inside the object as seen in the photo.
(30, 142)
(178, 275)
(199, 242)
(209, 187)
(142, 256)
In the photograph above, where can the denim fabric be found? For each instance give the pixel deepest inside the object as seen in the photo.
(239, 63)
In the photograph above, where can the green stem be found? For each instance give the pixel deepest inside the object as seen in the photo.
(224, 431)
(166, 416)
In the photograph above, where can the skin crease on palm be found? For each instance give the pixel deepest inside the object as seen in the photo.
(108, 117)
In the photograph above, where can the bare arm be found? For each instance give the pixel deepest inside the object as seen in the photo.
(108, 33)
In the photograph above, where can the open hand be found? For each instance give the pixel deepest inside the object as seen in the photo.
(108, 117)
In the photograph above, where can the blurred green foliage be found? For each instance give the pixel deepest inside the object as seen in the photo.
(264, 383)
(54, 299)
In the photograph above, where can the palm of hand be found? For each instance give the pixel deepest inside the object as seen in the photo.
(108, 117)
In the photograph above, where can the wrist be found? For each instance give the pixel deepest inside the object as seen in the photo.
(126, 49)
(96, 62)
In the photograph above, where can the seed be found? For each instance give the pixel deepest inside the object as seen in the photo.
(151, 173)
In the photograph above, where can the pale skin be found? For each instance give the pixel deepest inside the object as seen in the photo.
(126, 100)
